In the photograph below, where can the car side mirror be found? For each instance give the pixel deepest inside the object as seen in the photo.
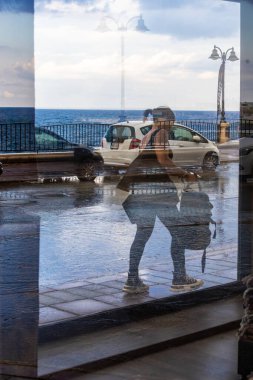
(196, 139)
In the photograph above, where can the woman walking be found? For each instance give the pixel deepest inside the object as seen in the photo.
(152, 193)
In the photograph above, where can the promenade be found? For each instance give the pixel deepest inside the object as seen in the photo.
(83, 269)
(95, 294)
(70, 299)
(229, 151)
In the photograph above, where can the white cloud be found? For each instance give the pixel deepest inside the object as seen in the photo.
(8, 94)
(24, 70)
(78, 70)
(111, 7)
(73, 58)
(16, 72)
(207, 75)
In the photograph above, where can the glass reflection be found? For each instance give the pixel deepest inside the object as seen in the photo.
(153, 193)
(19, 288)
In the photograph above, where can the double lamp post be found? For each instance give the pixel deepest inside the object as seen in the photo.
(217, 53)
(122, 27)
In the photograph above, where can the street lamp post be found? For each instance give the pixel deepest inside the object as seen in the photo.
(122, 27)
(221, 78)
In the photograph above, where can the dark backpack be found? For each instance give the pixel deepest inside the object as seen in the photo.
(195, 218)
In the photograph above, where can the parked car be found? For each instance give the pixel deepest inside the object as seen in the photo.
(246, 157)
(54, 157)
(121, 145)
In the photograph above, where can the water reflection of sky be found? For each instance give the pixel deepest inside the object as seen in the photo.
(93, 239)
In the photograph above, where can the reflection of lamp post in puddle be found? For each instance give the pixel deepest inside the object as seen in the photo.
(122, 27)
(221, 87)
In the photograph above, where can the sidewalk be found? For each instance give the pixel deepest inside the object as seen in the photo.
(90, 296)
(229, 151)
(94, 295)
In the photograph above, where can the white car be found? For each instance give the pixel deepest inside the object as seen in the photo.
(246, 157)
(120, 145)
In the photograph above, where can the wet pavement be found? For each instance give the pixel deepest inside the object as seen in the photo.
(85, 237)
(94, 295)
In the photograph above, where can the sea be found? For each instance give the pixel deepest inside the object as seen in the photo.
(46, 117)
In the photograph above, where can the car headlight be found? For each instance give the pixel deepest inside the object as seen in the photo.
(245, 151)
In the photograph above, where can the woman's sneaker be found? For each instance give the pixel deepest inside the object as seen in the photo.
(135, 287)
(185, 282)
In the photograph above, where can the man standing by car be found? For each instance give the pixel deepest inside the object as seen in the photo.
(152, 193)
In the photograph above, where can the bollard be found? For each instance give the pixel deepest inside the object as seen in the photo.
(223, 135)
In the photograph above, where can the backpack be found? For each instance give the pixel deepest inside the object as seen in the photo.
(195, 218)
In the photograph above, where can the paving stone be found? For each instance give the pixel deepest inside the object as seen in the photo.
(223, 257)
(114, 284)
(84, 307)
(124, 299)
(216, 265)
(61, 296)
(44, 289)
(69, 285)
(50, 314)
(160, 273)
(47, 300)
(103, 293)
(106, 290)
(160, 291)
(213, 278)
(92, 287)
(102, 279)
(229, 274)
(160, 267)
(83, 292)
(145, 271)
(194, 263)
(149, 279)
(93, 290)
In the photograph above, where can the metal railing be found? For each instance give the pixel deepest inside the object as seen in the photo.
(89, 134)
(17, 137)
(211, 130)
(26, 137)
(246, 128)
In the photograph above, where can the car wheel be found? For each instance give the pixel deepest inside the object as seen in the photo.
(210, 161)
(88, 171)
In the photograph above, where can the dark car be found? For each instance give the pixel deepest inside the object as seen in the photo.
(53, 158)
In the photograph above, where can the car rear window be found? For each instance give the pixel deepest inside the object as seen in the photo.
(145, 130)
(119, 133)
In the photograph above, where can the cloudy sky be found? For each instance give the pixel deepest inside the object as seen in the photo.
(16, 49)
(76, 66)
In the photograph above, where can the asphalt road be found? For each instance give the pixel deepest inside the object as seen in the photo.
(84, 231)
